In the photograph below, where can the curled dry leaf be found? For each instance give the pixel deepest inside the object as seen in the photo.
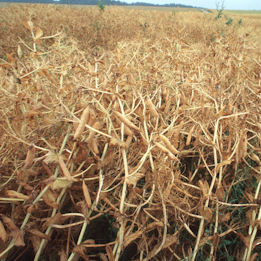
(38, 234)
(36, 242)
(38, 34)
(29, 25)
(133, 179)
(223, 163)
(207, 214)
(9, 223)
(132, 237)
(50, 199)
(103, 257)
(3, 234)
(60, 183)
(50, 157)
(128, 141)
(167, 107)
(114, 142)
(62, 254)
(226, 217)
(241, 151)
(15, 194)
(254, 257)
(80, 250)
(244, 239)
(255, 158)
(18, 237)
(86, 195)
(170, 240)
(220, 193)
(57, 219)
(29, 157)
(183, 98)
(109, 253)
(204, 188)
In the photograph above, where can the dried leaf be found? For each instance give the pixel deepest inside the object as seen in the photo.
(254, 256)
(215, 241)
(134, 178)
(223, 163)
(204, 188)
(38, 234)
(207, 214)
(50, 199)
(244, 239)
(50, 157)
(220, 193)
(190, 135)
(18, 237)
(60, 183)
(103, 257)
(86, 195)
(57, 219)
(80, 250)
(255, 158)
(36, 242)
(109, 253)
(132, 237)
(29, 157)
(3, 234)
(170, 240)
(9, 223)
(225, 218)
(15, 194)
(62, 254)
(256, 243)
(29, 25)
(38, 34)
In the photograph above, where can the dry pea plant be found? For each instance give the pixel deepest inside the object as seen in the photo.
(129, 135)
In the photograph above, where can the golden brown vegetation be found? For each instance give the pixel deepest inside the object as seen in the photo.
(129, 134)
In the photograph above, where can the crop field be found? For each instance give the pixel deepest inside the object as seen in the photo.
(129, 134)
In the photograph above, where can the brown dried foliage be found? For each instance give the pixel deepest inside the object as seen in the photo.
(174, 120)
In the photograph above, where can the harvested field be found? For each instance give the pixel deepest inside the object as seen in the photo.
(129, 135)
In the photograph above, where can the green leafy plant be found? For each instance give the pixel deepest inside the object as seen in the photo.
(229, 22)
(144, 26)
(101, 6)
(220, 8)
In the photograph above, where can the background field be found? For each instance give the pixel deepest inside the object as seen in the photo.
(129, 134)
(157, 8)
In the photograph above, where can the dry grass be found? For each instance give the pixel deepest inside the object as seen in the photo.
(164, 162)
